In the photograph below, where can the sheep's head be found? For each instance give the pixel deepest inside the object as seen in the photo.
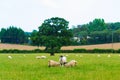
(74, 61)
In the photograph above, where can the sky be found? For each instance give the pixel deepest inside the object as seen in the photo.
(30, 14)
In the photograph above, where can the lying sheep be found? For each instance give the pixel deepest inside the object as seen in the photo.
(72, 63)
(43, 57)
(52, 63)
(40, 57)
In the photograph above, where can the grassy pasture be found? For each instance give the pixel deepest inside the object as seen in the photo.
(89, 67)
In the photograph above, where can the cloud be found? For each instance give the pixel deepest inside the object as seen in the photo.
(49, 3)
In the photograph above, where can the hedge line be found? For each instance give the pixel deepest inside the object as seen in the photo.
(61, 51)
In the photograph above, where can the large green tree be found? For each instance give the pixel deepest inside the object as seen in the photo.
(54, 33)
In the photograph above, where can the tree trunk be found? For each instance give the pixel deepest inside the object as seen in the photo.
(52, 54)
(52, 51)
(46, 48)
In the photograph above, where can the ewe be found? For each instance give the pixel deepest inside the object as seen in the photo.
(52, 63)
(72, 63)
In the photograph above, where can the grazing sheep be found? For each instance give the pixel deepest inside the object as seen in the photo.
(52, 63)
(40, 57)
(109, 55)
(72, 63)
(10, 57)
(98, 55)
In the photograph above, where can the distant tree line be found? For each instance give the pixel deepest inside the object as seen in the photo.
(96, 32)
(13, 35)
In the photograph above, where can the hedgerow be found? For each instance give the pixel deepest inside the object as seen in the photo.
(61, 51)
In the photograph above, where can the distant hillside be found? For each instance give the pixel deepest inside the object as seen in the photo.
(25, 47)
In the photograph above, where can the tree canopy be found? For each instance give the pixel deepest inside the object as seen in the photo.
(13, 35)
(54, 33)
(97, 32)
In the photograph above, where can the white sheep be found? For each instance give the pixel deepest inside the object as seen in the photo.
(38, 57)
(41, 57)
(52, 63)
(72, 63)
(98, 55)
(10, 57)
(63, 60)
(109, 55)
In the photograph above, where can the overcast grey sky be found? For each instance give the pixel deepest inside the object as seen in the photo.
(29, 14)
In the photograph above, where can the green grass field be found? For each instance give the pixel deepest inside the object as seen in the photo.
(89, 67)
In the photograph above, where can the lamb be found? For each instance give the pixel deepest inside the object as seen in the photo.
(52, 63)
(72, 63)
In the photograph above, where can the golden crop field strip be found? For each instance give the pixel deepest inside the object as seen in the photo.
(26, 47)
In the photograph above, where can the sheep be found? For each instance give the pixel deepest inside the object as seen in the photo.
(109, 56)
(72, 63)
(52, 63)
(43, 57)
(40, 57)
(10, 57)
(63, 60)
(98, 55)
